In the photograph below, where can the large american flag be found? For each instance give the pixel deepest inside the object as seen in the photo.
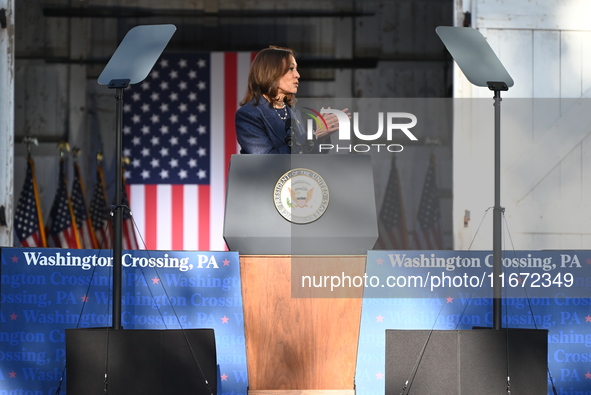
(179, 135)
(427, 236)
(28, 220)
(393, 234)
(61, 226)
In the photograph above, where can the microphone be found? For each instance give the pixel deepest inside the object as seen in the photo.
(297, 146)
(288, 139)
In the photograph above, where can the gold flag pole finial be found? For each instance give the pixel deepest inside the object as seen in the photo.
(63, 147)
(30, 140)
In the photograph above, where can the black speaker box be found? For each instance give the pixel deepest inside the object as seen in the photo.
(147, 362)
(467, 362)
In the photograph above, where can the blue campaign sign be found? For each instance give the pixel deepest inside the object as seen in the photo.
(46, 291)
(562, 308)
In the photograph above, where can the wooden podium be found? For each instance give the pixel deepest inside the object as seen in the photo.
(300, 341)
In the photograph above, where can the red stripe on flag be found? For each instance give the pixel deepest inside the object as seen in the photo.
(151, 216)
(204, 217)
(177, 219)
(230, 101)
(31, 241)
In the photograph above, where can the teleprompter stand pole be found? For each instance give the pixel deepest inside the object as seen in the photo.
(497, 87)
(482, 67)
(119, 86)
(130, 64)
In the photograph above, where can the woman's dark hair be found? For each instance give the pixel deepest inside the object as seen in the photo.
(266, 69)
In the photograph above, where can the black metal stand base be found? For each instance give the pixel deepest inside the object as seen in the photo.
(147, 362)
(478, 361)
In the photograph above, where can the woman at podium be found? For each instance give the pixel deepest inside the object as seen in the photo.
(268, 122)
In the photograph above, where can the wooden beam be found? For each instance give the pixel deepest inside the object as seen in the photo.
(138, 12)
(6, 122)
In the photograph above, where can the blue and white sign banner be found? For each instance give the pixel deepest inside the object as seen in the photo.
(46, 291)
(469, 274)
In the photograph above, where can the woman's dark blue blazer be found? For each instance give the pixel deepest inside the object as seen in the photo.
(260, 130)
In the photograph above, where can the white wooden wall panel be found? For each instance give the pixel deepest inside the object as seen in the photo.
(546, 173)
(535, 15)
(544, 189)
(545, 70)
(545, 152)
(586, 64)
(570, 179)
(570, 64)
(514, 48)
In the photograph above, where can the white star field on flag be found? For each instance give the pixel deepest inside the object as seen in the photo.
(165, 134)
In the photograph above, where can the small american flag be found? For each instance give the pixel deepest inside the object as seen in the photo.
(61, 226)
(99, 211)
(28, 221)
(83, 221)
(179, 134)
(428, 234)
(392, 221)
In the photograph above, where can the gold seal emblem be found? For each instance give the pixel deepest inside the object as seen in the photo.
(301, 196)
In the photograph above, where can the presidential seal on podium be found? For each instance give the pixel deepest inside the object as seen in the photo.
(301, 196)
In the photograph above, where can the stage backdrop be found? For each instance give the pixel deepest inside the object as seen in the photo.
(45, 291)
